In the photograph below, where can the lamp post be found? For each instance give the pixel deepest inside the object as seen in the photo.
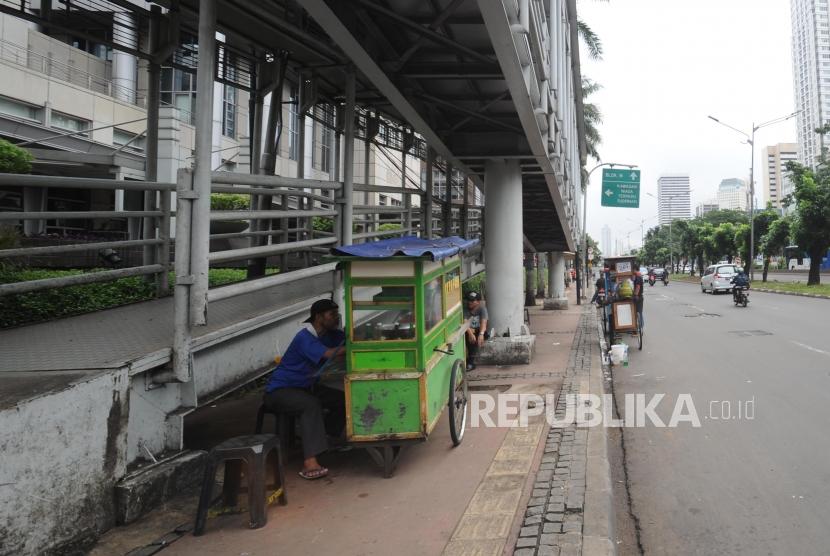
(750, 140)
(584, 246)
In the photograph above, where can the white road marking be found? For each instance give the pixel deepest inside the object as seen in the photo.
(811, 348)
(696, 308)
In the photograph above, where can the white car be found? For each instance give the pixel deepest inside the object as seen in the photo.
(718, 277)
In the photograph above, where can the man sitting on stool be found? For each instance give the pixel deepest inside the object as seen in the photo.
(476, 314)
(293, 384)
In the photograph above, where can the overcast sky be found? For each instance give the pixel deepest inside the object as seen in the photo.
(667, 65)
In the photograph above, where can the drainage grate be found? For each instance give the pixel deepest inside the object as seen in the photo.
(748, 333)
(519, 376)
(703, 315)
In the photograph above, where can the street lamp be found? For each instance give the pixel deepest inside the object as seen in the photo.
(584, 254)
(750, 139)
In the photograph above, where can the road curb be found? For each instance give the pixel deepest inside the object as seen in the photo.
(598, 532)
(765, 290)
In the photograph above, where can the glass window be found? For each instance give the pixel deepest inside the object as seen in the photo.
(452, 290)
(433, 305)
(68, 123)
(229, 112)
(133, 142)
(381, 313)
(730, 269)
(21, 109)
(293, 125)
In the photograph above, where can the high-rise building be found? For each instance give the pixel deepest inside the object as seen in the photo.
(811, 74)
(733, 194)
(605, 241)
(706, 207)
(673, 200)
(777, 184)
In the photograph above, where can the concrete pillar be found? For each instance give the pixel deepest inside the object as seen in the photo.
(503, 250)
(556, 281)
(124, 65)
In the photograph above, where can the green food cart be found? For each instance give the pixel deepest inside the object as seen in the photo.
(405, 344)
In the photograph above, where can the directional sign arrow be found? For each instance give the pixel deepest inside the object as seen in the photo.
(609, 193)
(633, 176)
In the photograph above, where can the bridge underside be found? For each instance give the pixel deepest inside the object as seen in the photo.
(432, 65)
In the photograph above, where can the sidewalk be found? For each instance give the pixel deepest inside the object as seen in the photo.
(441, 500)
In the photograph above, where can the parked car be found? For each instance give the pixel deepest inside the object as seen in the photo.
(718, 277)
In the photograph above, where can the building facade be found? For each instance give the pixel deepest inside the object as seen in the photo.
(811, 74)
(673, 198)
(606, 243)
(777, 184)
(706, 207)
(80, 108)
(733, 194)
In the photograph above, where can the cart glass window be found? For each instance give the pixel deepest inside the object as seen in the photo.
(433, 304)
(452, 290)
(383, 313)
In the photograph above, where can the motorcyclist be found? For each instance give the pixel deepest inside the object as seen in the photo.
(651, 277)
(599, 286)
(665, 276)
(739, 282)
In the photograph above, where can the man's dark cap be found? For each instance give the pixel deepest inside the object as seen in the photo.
(321, 306)
(473, 296)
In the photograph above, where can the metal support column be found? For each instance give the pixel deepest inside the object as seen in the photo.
(200, 230)
(447, 212)
(426, 205)
(503, 250)
(184, 276)
(465, 211)
(150, 253)
(347, 193)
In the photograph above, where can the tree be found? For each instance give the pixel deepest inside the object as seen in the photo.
(592, 118)
(763, 220)
(13, 159)
(811, 226)
(774, 241)
(724, 239)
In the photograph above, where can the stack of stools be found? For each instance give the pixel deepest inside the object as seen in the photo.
(253, 451)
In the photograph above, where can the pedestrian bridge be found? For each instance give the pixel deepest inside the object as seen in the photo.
(484, 90)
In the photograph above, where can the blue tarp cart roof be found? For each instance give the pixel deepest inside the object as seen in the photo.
(408, 246)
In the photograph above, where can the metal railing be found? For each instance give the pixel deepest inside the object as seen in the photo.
(158, 239)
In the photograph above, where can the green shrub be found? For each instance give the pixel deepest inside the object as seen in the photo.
(229, 201)
(32, 307)
(9, 237)
(388, 227)
(323, 223)
(13, 159)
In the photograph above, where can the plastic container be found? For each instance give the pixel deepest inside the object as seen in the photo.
(619, 354)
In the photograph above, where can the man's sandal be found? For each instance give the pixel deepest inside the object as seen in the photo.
(312, 474)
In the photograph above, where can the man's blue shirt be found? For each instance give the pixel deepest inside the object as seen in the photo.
(302, 359)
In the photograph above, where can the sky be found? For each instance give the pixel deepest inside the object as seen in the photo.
(666, 66)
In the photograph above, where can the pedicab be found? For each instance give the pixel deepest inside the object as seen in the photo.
(618, 312)
(405, 348)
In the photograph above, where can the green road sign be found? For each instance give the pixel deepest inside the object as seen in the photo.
(620, 188)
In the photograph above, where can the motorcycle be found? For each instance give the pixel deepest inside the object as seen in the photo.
(651, 279)
(740, 295)
(665, 279)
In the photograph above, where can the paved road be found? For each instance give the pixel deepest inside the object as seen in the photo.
(739, 485)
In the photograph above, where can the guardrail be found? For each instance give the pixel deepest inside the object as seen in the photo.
(157, 238)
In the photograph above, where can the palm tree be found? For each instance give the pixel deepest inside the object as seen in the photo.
(591, 39)
(593, 117)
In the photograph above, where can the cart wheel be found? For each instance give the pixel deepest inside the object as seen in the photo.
(458, 402)
(639, 332)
